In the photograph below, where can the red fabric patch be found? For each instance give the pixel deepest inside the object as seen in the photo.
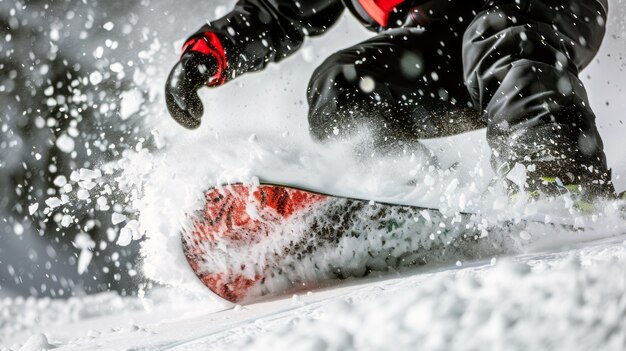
(210, 44)
(379, 10)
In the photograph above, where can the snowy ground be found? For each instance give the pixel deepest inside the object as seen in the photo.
(572, 299)
(567, 294)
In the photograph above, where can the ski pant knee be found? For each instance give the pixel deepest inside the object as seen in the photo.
(405, 82)
(521, 61)
(340, 95)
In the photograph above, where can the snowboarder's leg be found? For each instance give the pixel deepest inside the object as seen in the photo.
(521, 61)
(403, 84)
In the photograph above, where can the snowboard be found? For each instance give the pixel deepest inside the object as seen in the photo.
(252, 241)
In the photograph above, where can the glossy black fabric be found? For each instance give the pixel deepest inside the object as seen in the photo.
(521, 60)
(449, 66)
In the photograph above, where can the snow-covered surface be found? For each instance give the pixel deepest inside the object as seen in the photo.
(570, 299)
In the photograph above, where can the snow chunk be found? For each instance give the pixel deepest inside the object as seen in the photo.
(66, 220)
(517, 175)
(87, 185)
(37, 342)
(33, 208)
(125, 237)
(75, 176)
(131, 103)
(83, 260)
(117, 218)
(83, 242)
(108, 26)
(102, 202)
(53, 202)
(88, 174)
(82, 194)
(128, 233)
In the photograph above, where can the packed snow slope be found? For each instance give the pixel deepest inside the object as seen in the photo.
(571, 299)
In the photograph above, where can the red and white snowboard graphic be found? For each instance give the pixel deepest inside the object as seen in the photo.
(236, 223)
(253, 241)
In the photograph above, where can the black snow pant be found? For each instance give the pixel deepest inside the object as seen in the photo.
(508, 65)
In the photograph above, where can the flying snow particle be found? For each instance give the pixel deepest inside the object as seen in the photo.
(587, 144)
(33, 208)
(53, 202)
(82, 194)
(517, 175)
(18, 228)
(125, 237)
(102, 202)
(66, 220)
(134, 228)
(131, 103)
(95, 78)
(411, 65)
(49, 91)
(116, 67)
(88, 174)
(98, 52)
(111, 234)
(60, 181)
(54, 34)
(117, 218)
(83, 242)
(87, 185)
(83, 260)
(367, 84)
(74, 176)
(108, 26)
(65, 143)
